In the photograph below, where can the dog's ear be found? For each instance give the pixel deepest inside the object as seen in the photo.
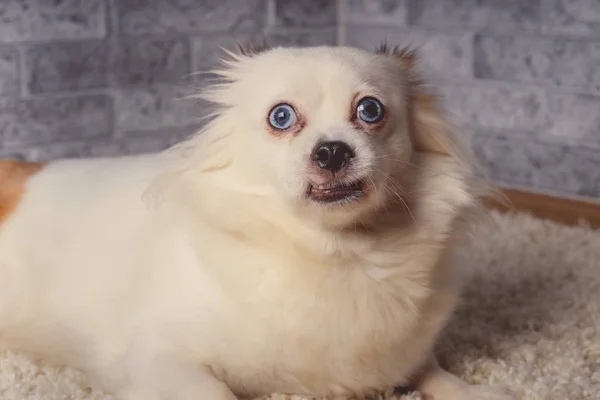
(250, 49)
(429, 128)
(406, 55)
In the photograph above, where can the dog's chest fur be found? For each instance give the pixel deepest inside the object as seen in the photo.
(339, 324)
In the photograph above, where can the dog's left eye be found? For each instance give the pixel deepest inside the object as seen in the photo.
(282, 117)
(369, 110)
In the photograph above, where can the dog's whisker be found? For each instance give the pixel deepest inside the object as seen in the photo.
(399, 193)
(398, 161)
(373, 185)
(400, 198)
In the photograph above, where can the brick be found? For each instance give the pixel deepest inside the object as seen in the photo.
(153, 141)
(76, 148)
(132, 143)
(322, 37)
(554, 167)
(67, 66)
(306, 13)
(208, 50)
(442, 55)
(379, 12)
(476, 14)
(149, 61)
(574, 119)
(49, 119)
(558, 62)
(496, 108)
(184, 16)
(29, 20)
(156, 107)
(9, 76)
(577, 17)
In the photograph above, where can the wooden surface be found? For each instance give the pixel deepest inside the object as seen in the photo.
(561, 210)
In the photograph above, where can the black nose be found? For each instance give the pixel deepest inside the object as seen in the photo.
(332, 155)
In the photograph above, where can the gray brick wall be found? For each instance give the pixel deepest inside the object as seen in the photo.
(107, 77)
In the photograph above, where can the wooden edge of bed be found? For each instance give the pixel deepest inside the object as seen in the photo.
(567, 211)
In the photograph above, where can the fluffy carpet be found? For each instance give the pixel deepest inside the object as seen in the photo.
(530, 319)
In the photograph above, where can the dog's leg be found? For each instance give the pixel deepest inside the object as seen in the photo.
(168, 378)
(436, 384)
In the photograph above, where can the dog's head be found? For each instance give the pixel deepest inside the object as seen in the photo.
(330, 131)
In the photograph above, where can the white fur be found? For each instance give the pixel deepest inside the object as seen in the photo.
(204, 271)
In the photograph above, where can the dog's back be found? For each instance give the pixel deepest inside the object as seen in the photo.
(65, 226)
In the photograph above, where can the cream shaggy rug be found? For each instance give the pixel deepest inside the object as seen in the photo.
(530, 320)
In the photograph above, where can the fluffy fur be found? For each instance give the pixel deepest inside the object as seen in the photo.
(143, 270)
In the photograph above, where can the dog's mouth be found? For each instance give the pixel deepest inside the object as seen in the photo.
(337, 192)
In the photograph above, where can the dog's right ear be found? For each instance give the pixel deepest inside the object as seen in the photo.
(250, 49)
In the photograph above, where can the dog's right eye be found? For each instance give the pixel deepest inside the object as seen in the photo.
(282, 117)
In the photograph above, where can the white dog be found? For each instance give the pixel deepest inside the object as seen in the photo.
(299, 244)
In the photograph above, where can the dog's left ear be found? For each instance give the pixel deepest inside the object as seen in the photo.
(430, 130)
(406, 55)
(249, 49)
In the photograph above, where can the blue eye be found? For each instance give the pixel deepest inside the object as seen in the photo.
(369, 110)
(282, 117)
